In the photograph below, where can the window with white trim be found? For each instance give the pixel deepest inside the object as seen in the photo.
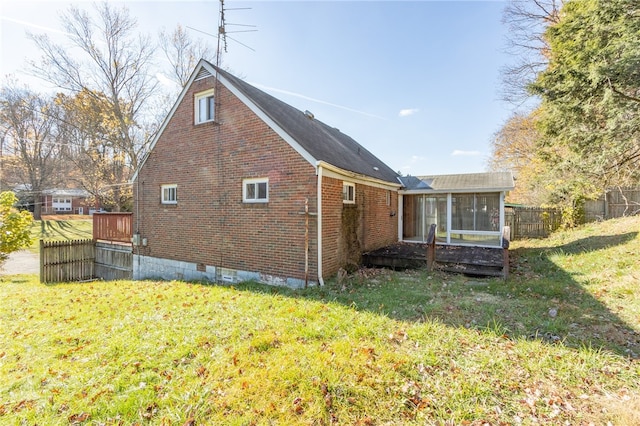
(204, 103)
(169, 194)
(255, 190)
(348, 193)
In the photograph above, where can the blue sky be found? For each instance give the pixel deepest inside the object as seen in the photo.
(416, 83)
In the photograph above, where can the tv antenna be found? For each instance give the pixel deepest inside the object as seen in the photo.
(223, 33)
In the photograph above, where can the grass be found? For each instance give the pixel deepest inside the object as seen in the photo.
(53, 229)
(556, 344)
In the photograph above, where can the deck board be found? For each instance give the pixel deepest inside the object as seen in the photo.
(461, 259)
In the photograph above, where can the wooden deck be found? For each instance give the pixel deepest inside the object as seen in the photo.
(468, 260)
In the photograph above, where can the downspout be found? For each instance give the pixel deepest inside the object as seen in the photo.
(319, 207)
(400, 216)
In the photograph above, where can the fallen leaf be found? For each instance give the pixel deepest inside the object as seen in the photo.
(78, 418)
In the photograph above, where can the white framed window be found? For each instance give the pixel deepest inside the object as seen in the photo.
(61, 204)
(348, 193)
(169, 194)
(255, 190)
(204, 103)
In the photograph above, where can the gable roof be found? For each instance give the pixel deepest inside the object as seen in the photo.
(469, 182)
(313, 139)
(323, 142)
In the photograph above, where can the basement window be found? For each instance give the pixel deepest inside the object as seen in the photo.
(169, 194)
(255, 190)
(348, 193)
(204, 107)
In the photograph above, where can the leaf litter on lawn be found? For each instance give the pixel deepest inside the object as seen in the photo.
(382, 347)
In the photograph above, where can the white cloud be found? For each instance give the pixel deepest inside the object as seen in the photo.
(459, 152)
(407, 112)
(166, 81)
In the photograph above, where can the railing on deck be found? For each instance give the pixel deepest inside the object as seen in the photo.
(113, 227)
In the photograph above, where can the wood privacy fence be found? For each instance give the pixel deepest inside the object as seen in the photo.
(62, 261)
(82, 260)
(616, 202)
(532, 222)
(113, 227)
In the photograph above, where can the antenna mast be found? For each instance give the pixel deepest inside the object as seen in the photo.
(222, 34)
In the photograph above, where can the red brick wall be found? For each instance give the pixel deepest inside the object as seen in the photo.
(379, 218)
(331, 223)
(210, 224)
(376, 223)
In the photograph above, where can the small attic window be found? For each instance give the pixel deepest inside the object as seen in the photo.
(348, 193)
(204, 104)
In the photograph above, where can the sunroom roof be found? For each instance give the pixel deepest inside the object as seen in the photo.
(468, 182)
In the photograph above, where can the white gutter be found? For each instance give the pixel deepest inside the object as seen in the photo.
(338, 173)
(319, 207)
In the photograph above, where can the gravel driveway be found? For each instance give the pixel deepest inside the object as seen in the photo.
(21, 262)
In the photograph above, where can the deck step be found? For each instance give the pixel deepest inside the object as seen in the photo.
(469, 260)
(469, 269)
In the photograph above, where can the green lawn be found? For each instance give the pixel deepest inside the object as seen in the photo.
(556, 344)
(60, 230)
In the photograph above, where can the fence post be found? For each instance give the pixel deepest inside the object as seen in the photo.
(41, 261)
(431, 247)
(506, 233)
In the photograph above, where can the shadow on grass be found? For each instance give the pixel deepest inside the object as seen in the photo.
(540, 300)
(595, 243)
(61, 230)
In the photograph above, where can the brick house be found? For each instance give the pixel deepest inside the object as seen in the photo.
(67, 201)
(239, 185)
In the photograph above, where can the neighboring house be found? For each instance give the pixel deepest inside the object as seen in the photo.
(67, 201)
(55, 201)
(239, 185)
(468, 209)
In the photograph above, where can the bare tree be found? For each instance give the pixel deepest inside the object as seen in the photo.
(32, 150)
(89, 128)
(526, 20)
(183, 53)
(111, 63)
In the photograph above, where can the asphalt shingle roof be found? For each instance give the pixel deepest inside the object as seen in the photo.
(495, 181)
(323, 142)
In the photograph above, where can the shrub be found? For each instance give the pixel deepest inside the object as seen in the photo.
(14, 226)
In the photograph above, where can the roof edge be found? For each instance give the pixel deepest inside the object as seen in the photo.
(356, 176)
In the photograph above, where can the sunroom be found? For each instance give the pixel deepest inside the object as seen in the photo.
(467, 209)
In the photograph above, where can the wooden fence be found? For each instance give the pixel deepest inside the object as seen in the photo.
(113, 261)
(532, 222)
(62, 261)
(82, 260)
(113, 227)
(616, 202)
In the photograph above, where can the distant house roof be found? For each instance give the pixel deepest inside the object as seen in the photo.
(77, 193)
(22, 187)
(470, 182)
(313, 139)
